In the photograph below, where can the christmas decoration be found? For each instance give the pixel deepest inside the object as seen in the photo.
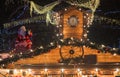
(25, 21)
(45, 14)
(46, 11)
(23, 40)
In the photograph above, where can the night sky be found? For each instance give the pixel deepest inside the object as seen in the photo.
(98, 34)
(105, 6)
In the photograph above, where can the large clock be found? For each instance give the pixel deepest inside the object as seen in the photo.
(73, 21)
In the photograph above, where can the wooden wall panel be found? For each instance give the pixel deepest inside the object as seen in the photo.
(53, 57)
(69, 31)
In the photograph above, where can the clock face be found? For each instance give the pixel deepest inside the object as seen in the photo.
(73, 21)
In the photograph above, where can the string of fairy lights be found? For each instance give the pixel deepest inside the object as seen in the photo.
(85, 41)
(59, 38)
(47, 9)
(62, 72)
(18, 16)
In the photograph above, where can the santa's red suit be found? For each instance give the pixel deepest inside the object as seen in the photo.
(23, 40)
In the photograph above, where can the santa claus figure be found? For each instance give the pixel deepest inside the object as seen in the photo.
(23, 41)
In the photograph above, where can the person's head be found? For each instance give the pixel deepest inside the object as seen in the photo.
(23, 28)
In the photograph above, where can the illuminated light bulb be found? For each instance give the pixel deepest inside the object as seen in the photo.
(91, 43)
(59, 46)
(21, 70)
(15, 71)
(0, 59)
(87, 31)
(69, 42)
(21, 53)
(65, 9)
(57, 14)
(12, 63)
(51, 43)
(87, 14)
(75, 4)
(117, 69)
(80, 9)
(71, 38)
(88, 39)
(3, 65)
(84, 46)
(78, 70)
(88, 18)
(46, 69)
(85, 35)
(57, 26)
(54, 16)
(61, 34)
(84, 26)
(102, 45)
(29, 69)
(7, 70)
(58, 17)
(88, 26)
(62, 70)
(41, 47)
(57, 34)
(81, 39)
(31, 50)
(60, 25)
(90, 23)
(11, 55)
(62, 40)
(96, 69)
(114, 49)
(114, 54)
(84, 16)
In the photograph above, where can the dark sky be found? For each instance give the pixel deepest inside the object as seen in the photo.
(107, 8)
(7, 10)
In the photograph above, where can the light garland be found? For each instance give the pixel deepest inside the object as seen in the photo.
(9, 1)
(60, 41)
(100, 19)
(37, 51)
(62, 72)
(41, 10)
(111, 12)
(47, 9)
(25, 21)
(91, 4)
(77, 42)
(17, 17)
(53, 18)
